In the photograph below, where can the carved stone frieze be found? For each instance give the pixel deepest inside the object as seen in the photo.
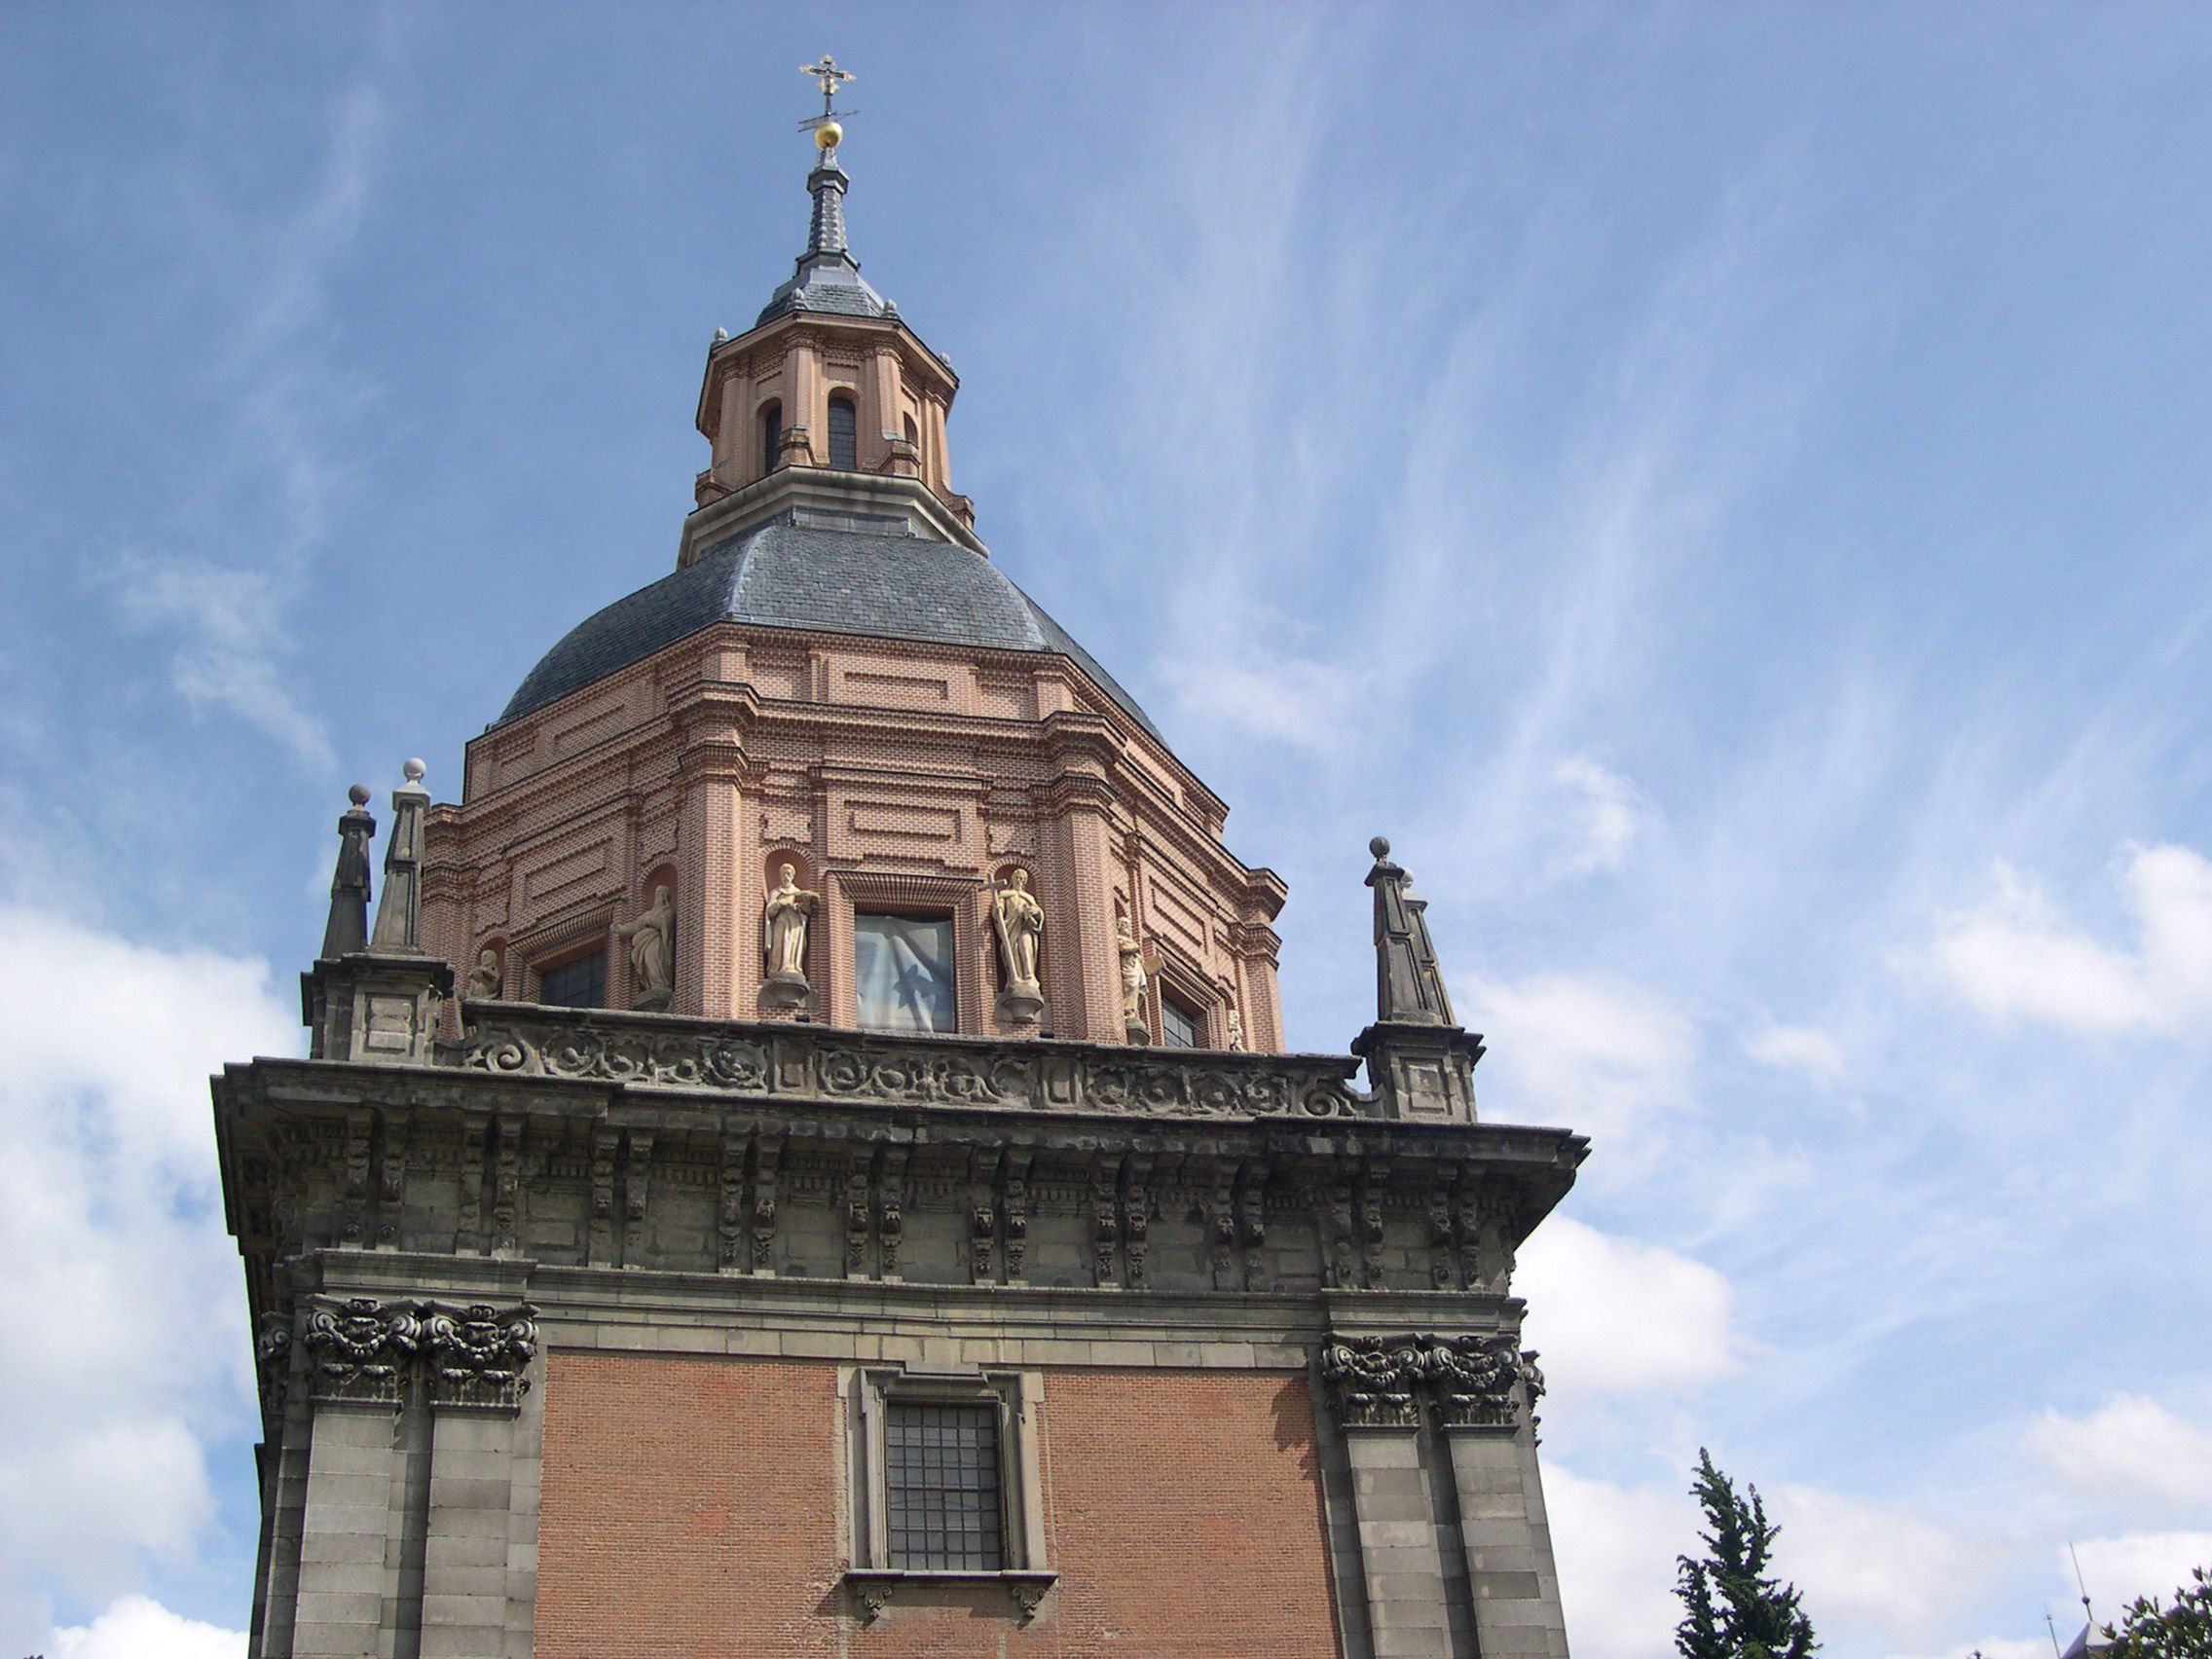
(557, 1049)
(674, 1052)
(1478, 1381)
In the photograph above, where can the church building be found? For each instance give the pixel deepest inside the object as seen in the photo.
(804, 1159)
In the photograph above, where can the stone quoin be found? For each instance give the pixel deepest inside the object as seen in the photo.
(857, 1202)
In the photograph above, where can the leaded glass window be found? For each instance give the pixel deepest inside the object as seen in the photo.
(582, 983)
(1178, 1025)
(844, 431)
(942, 1488)
(903, 974)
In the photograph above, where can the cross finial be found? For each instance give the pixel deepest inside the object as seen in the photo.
(831, 78)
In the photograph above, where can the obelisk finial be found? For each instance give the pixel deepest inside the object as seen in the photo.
(348, 929)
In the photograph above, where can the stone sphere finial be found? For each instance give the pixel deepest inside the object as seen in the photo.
(1379, 847)
(412, 770)
(359, 794)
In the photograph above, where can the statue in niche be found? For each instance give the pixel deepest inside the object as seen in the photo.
(484, 978)
(1236, 1033)
(784, 923)
(1020, 922)
(652, 957)
(1139, 961)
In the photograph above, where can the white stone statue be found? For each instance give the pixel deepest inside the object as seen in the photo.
(784, 924)
(484, 978)
(1139, 961)
(1236, 1030)
(1020, 923)
(652, 956)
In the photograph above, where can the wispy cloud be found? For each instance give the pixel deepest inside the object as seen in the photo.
(226, 610)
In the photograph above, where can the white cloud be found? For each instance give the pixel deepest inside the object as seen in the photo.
(2014, 956)
(232, 637)
(2119, 1570)
(1309, 705)
(1604, 1059)
(126, 1327)
(1616, 1317)
(1798, 1047)
(1879, 1565)
(2130, 1448)
(1616, 1547)
(135, 1628)
(1610, 814)
(1998, 1648)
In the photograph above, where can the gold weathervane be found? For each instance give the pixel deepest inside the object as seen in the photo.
(827, 132)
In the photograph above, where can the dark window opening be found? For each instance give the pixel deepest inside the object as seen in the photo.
(942, 1488)
(771, 436)
(844, 435)
(582, 983)
(1179, 1027)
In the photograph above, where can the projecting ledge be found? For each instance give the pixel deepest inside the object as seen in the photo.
(872, 1587)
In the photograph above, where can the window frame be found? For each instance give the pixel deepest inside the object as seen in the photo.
(768, 427)
(1191, 1017)
(1016, 1398)
(949, 920)
(540, 970)
(852, 404)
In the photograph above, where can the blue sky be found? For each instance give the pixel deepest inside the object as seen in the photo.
(1725, 489)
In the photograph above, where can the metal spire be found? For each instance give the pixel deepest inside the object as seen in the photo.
(827, 277)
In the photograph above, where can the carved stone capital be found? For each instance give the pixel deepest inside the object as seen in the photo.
(479, 1354)
(1372, 1381)
(1476, 1381)
(360, 1349)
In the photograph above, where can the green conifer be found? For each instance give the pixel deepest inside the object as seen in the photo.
(1731, 1608)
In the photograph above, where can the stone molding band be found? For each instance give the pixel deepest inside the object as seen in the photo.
(672, 1051)
(362, 1351)
(1471, 1382)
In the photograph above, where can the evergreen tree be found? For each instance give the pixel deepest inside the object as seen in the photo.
(1731, 1608)
(2183, 1630)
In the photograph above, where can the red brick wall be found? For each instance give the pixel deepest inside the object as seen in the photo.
(689, 1513)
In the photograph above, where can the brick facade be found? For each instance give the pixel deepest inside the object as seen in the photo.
(690, 1510)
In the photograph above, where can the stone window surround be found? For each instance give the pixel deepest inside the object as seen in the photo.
(1016, 1396)
(846, 893)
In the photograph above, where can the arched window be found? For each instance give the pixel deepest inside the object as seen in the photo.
(771, 436)
(844, 432)
(913, 434)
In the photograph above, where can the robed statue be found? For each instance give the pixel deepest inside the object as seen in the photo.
(1020, 924)
(784, 923)
(652, 954)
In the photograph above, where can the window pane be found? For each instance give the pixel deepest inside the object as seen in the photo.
(940, 1482)
(771, 435)
(842, 428)
(902, 973)
(1178, 1026)
(582, 983)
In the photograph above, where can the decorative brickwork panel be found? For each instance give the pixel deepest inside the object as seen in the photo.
(689, 1513)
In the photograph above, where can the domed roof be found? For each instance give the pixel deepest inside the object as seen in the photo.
(787, 574)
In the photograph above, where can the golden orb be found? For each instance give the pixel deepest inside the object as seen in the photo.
(827, 136)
